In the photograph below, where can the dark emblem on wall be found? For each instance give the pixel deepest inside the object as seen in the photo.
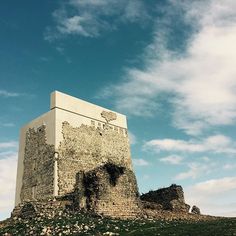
(109, 116)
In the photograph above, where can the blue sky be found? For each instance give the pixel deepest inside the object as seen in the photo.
(168, 65)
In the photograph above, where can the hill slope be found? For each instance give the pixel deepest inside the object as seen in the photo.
(85, 224)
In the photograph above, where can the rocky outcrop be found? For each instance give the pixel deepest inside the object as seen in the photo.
(170, 198)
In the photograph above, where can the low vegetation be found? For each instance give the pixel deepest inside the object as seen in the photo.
(84, 224)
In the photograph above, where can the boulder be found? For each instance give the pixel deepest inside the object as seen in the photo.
(196, 210)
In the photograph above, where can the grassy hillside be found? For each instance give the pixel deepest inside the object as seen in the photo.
(83, 224)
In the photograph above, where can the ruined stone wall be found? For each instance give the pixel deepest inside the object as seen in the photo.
(85, 148)
(109, 190)
(170, 198)
(38, 172)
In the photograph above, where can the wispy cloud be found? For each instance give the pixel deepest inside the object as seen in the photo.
(10, 144)
(214, 196)
(7, 154)
(7, 124)
(199, 81)
(146, 177)
(195, 170)
(230, 166)
(172, 159)
(140, 162)
(8, 162)
(45, 59)
(216, 186)
(132, 138)
(90, 18)
(216, 144)
(7, 94)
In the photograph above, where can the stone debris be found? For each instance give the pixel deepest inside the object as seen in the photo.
(195, 210)
(110, 233)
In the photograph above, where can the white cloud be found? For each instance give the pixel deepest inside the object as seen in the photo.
(230, 166)
(216, 186)
(134, 11)
(90, 18)
(8, 162)
(7, 154)
(140, 162)
(205, 159)
(146, 177)
(132, 138)
(195, 170)
(200, 83)
(5, 93)
(174, 145)
(10, 144)
(172, 159)
(8, 124)
(83, 25)
(214, 196)
(216, 143)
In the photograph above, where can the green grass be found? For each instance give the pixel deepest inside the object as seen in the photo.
(83, 224)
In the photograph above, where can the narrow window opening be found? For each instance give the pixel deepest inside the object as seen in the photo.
(34, 164)
(34, 189)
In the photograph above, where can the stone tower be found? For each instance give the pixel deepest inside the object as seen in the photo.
(81, 149)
